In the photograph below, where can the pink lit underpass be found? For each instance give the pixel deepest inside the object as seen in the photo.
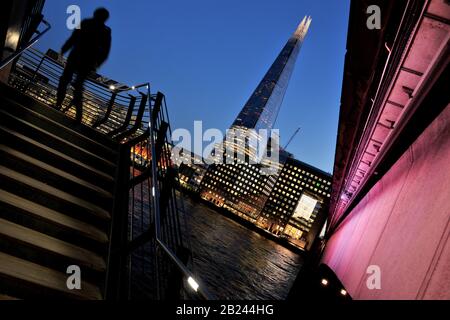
(397, 217)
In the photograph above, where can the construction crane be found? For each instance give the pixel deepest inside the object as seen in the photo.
(292, 137)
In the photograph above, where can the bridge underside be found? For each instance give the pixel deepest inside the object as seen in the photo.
(401, 225)
(390, 203)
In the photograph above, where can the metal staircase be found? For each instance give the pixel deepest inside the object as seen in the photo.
(56, 200)
(100, 195)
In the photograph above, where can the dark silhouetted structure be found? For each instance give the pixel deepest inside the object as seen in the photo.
(90, 46)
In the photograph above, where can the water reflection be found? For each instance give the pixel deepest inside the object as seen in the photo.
(236, 263)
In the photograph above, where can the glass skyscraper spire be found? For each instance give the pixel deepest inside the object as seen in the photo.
(238, 184)
(261, 110)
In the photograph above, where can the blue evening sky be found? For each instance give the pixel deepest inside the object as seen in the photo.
(207, 57)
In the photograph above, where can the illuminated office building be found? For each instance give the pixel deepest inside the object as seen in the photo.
(296, 206)
(238, 184)
(191, 168)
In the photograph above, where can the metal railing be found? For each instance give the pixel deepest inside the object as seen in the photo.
(110, 110)
(157, 251)
(160, 126)
(149, 254)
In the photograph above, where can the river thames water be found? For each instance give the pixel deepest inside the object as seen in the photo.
(235, 262)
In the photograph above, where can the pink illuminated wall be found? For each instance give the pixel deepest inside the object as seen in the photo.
(401, 225)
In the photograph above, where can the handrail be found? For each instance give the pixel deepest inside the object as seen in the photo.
(129, 88)
(196, 286)
(40, 72)
(17, 53)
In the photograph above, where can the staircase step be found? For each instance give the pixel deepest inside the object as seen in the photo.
(61, 130)
(57, 178)
(61, 221)
(56, 171)
(55, 193)
(55, 142)
(55, 158)
(12, 95)
(38, 281)
(44, 247)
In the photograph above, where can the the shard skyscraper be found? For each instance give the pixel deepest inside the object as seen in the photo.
(261, 110)
(240, 186)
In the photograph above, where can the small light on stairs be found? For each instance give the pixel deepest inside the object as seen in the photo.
(193, 283)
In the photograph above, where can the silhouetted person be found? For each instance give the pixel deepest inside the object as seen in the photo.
(90, 46)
